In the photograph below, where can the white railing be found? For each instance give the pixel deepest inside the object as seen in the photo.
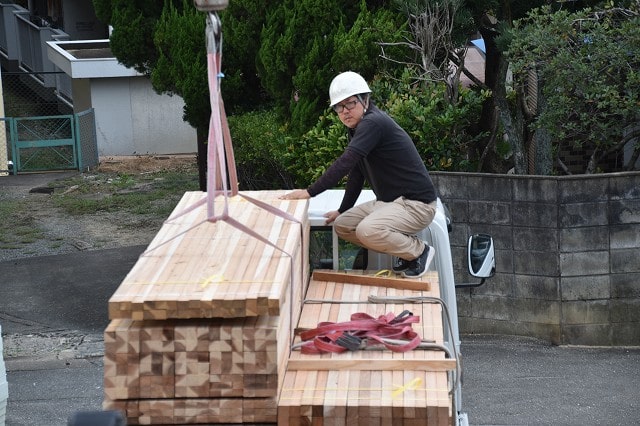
(32, 55)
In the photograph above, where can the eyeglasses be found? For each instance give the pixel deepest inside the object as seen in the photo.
(348, 105)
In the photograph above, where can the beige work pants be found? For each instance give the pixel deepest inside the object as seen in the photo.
(389, 228)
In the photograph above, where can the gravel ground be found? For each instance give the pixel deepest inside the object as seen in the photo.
(46, 346)
(59, 232)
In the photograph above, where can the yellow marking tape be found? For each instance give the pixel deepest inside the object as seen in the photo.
(412, 385)
(383, 273)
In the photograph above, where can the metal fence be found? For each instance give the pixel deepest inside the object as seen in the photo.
(25, 96)
(41, 131)
(43, 143)
(87, 139)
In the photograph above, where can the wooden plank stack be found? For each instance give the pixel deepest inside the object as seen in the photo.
(368, 387)
(201, 326)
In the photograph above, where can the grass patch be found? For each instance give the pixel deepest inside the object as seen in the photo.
(154, 193)
(20, 228)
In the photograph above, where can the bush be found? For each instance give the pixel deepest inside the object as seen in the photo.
(307, 157)
(439, 129)
(258, 142)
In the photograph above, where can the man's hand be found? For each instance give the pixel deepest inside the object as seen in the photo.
(298, 194)
(331, 216)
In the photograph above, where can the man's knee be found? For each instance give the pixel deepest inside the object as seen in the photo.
(342, 228)
(365, 231)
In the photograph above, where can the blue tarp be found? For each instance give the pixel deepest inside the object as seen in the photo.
(479, 43)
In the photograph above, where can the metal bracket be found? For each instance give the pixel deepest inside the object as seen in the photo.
(213, 32)
(210, 5)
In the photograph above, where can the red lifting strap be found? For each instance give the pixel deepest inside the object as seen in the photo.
(363, 330)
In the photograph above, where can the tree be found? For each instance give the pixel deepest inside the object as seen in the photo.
(505, 113)
(243, 21)
(587, 65)
(305, 43)
(293, 57)
(134, 23)
(493, 18)
(433, 41)
(181, 64)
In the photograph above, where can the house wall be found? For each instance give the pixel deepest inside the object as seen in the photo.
(80, 21)
(81, 94)
(132, 119)
(567, 255)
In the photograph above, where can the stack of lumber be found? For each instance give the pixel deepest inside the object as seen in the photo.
(201, 327)
(368, 387)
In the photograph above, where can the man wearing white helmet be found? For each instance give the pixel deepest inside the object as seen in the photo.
(383, 154)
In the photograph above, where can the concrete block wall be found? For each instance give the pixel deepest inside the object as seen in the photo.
(567, 255)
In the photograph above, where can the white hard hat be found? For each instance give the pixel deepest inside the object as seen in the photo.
(345, 85)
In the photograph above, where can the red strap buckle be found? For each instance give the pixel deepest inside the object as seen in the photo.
(363, 331)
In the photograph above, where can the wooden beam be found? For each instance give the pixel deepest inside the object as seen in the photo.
(370, 278)
(366, 364)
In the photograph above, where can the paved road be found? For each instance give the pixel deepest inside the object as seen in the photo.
(519, 381)
(62, 292)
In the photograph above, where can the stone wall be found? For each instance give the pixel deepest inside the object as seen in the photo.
(567, 255)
